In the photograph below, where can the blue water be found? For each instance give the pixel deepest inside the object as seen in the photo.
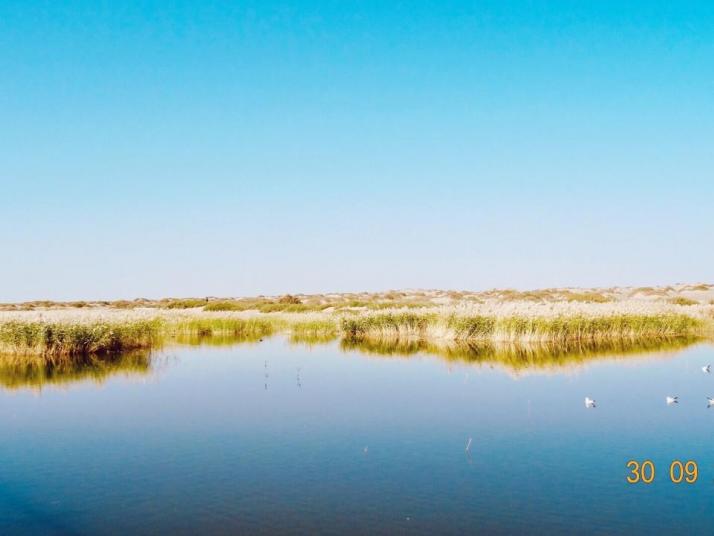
(273, 438)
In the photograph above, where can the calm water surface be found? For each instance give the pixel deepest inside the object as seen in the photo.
(273, 438)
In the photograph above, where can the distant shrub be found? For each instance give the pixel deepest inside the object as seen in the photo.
(355, 303)
(278, 307)
(399, 305)
(226, 306)
(587, 297)
(649, 291)
(531, 295)
(124, 304)
(700, 287)
(455, 295)
(681, 300)
(288, 298)
(190, 303)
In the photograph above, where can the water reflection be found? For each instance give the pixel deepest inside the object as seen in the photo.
(516, 356)
(15, 374)
(312, 339)
(202, 339)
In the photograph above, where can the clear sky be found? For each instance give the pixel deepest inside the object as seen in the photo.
(236, 148)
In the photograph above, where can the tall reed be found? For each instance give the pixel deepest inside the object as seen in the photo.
(514, 328)
(57, 341)
(246, 328)
(314, 331)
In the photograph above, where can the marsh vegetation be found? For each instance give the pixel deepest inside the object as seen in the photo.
(58, 342)
(520, 328)
(55, 334)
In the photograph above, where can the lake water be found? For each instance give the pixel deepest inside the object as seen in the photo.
(278, 438)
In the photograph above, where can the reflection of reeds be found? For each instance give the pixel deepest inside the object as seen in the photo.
(17, 374)
(517, 356)
(224, 339)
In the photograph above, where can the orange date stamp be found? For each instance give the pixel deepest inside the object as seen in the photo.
(679, 472)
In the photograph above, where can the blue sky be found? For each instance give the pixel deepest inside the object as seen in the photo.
(231, 148)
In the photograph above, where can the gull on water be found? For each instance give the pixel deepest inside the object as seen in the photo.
(468, 445)
(710, 401)
(589, 402)
(706, 369)
(672, 400)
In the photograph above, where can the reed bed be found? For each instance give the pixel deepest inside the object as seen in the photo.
(57, 334)
(314, 331)
(240, 328)
(58, 341)
(521, 329)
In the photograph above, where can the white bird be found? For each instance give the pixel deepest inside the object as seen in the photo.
(468, 445)
(672, 400)
(710, 401)
(589, 402)
(706, 369)
(365, 450)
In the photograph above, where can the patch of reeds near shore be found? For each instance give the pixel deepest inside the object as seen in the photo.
(521, 329)
(314, 331)
(55, 341)
(238, 328)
